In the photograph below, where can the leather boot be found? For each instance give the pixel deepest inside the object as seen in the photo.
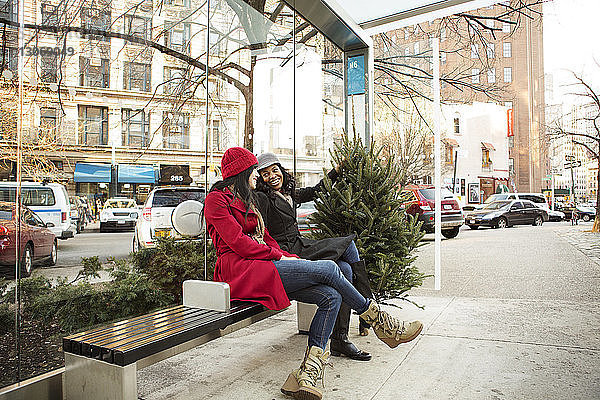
(360, 280)
(302, 382)
(388, 329)
(339, 337)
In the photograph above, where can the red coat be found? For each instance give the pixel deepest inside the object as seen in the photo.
(246, 265)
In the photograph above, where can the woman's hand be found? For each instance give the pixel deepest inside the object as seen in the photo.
(288, 258)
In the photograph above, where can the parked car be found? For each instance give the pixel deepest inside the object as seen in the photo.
(419, 201)
(156, 220)
(537, 198)
(38, 243)
(118, 213)
(49, 201)
(553, 215)
(586, 213)
(302, 213)
(505, 213)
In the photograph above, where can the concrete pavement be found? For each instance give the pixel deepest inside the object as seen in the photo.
(518, 317)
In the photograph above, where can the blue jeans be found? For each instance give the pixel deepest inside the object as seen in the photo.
(350, 256)
(322, 283)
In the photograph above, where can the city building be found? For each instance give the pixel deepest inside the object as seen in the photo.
(501, 63)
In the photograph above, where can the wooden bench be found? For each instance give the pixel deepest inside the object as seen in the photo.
(102, 363)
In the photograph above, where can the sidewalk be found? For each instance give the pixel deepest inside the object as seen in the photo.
(518, 320)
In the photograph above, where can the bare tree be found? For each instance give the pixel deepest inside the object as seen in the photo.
(589, 137)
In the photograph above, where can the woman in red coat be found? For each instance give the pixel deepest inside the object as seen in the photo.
(257, 269)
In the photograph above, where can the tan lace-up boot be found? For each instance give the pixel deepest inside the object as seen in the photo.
(388, 329)
(302, 383)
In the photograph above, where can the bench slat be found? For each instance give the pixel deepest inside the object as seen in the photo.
(127, 341)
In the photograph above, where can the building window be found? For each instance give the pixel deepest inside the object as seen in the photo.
(176, 130)
(49, 66)
(506, 49)
(10, 60)
(175, 81)
(8, 10)
(443, 33)
(406, 52)
(491, 75)
(506, 27)
(136, 76)
(177, 36)
(443, 57)
(508, 104)
(475, 75)
(486, 162)
(93, 126)
(49, 14)
(406, 34)
(490, 50)
(94, 72)
(457, 126)
(511, 166)
(137, 26)
(184, 3)
(216, 135)
(96, 18)
(474, 50)
(48, 121)
(416, 48)
(507, 74)
(449, 153)
(136, 128)
(489, 23)
(511, 142)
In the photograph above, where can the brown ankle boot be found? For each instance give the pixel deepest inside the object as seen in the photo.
(388, 329)
(302, 382)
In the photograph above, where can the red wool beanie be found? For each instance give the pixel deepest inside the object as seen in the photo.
(236, 160)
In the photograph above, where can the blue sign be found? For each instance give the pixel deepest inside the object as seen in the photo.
(356, 75)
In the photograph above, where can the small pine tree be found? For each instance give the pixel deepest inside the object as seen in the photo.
(364, 200)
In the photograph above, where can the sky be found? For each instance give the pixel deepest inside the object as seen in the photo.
(571, 40)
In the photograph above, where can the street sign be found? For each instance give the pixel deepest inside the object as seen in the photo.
(573, 164)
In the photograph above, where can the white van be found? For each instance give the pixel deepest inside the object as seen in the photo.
(49, 201)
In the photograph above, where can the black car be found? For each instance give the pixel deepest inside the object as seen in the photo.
(504, 213)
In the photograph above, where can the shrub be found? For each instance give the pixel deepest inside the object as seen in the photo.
(7, 318)
(172, 262)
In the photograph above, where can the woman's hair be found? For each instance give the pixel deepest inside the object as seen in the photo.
(288, 186)
(241, 188)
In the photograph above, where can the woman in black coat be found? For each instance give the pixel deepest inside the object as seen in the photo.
(277, 202)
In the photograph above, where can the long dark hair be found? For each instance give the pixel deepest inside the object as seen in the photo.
(241, 188)
(288, 186)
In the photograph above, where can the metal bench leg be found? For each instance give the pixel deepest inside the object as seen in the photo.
(305, 313)
(87, 379)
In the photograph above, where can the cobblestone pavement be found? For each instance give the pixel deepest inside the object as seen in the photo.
(582, 239)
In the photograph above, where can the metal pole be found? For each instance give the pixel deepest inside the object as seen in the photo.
(552, 181)
(454, 176)
(438, 166)
(294, 91)
(206, 188)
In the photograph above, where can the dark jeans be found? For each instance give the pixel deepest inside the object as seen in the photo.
(350, 256)
(322, 283)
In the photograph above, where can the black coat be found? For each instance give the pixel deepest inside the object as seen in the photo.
(280, 220)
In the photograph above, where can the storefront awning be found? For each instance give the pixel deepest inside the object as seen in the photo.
(487, 146)
(136, 174)
(451, 142)
(86, 172)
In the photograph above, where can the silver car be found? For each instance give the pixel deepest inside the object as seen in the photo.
(118, 213)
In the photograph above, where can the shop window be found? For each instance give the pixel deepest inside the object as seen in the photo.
(49, 66)
(507, 74)
(176, 130)
(136, 76)
(94, 72)
(93, 126)
(97, 19)
(138, 27)
(177, 36)
(506, 50)
(136, 128)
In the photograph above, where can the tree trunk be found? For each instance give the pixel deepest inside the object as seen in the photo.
(249, 116)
